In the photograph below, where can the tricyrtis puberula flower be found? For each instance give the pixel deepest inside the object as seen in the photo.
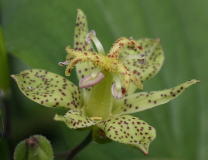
(106, 88)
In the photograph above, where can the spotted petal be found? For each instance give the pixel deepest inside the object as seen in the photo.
(81, 31)
(75, 119)
(49, 89)
(144, 100)
(129, 130)
(154, 60)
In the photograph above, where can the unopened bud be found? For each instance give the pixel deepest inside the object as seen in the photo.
(34, 148)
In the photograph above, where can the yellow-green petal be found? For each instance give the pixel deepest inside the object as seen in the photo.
(85, 68)
(154, 60)
(81, 31)
(144, 100)
(49, 89)
(129, 130)
(75, 119)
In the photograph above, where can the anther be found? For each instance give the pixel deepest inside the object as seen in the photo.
(116, 93)
(96, 118)
(95, 72)
(88, 38)
(64, 63)
(142, 60)
(87, 81)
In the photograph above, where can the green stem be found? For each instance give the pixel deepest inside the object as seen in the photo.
(7, 129)
(81, 146)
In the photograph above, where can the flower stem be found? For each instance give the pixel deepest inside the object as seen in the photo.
(7, 129)
(81, 146)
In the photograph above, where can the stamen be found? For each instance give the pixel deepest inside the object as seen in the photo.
(116, 87)
(141, 58)
(95, 118)
(88, 38)
(92, 36)
(117, 94)
(64, 63)
(117, 81)
(87, 81)
(109, 63)
(95, 72)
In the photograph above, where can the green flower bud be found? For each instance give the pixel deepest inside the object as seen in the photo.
(34, 148)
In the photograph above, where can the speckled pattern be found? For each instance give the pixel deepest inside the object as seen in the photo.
(75, 119)
(145, 100)
(49, 89)
(154, 59)
(81, 31)
(129, 130)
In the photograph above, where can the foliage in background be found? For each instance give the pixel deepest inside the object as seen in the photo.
(4, 67)
(37, 32)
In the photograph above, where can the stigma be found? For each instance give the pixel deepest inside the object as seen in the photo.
(112, 63)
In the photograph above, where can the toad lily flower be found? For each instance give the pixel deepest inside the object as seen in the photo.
(106, 88)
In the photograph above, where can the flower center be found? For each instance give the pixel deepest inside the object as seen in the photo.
(112, 62)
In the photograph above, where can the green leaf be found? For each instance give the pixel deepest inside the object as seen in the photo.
(34, 148)
(145, 100)
(75, 119)
(154, 60)
(49, 89)
(4, 66)
(129, 130)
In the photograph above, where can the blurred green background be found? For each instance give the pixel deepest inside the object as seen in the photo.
(37, 32)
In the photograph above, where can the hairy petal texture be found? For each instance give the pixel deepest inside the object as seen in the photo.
(75, 119)
(154, 60)
(49, 89)
(129, 130)
(145, 100)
